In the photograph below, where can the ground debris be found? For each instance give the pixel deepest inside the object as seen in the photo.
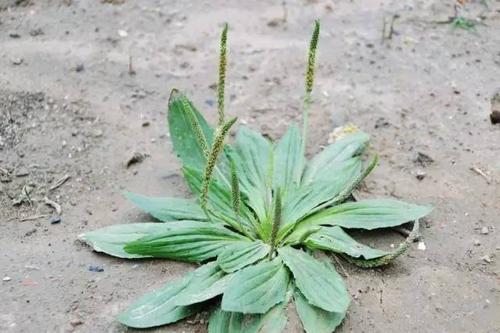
(53, 204)
(423, 159)
(482, 174)
(135, 159)
(60, 182)
(495, 109)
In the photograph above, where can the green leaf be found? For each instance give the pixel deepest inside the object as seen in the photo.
(185, 241)
(288, 160)
(206, 282)
(318, 281)
(238, 255)
(112, 239)
(168, 209)
(253, 155)
(158, 308)
(255, 289)
(273, 321)
(368, 214)
(183, 134)
(314, 319)
(303, 200)
(337, 240)
(227, 322)
(342, 150)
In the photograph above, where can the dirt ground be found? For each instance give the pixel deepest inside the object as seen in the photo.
(71, 114)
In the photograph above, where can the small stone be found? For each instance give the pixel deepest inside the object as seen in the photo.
(122, 33)
(96, 268)
(17, 61)
(55, 219)
(76, 322)
(477, 242)
(487, 259)
(98, 133)
(485, 231)
(79, 68)
(36, 32)
(495, 117)
(6, 278)
(423, 159)
(420, 175)
(14, 35)
(421, 246)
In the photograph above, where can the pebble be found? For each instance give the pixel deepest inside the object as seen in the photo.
(55, 219)
(420, 175)
(487, 259)
(17, 61)
(6, 278)
(79, 68)
(122, 33)
(76, 322)
(96, 269)
(476, 242)
(485, 231)
(421, 246)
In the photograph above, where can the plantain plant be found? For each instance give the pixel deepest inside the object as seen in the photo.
(262, 211)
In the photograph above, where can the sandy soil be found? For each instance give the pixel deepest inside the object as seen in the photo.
(68, 106)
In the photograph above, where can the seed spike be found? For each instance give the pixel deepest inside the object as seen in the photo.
(309, 81)
(276, 222)
(222, 74)
(200, 136)
(217, 146)
(235, 189)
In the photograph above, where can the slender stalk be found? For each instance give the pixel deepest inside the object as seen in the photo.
(217, 146)
(309, 83)
(222, 75)
(276, 222)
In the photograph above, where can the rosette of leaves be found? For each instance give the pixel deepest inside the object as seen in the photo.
(261, 211)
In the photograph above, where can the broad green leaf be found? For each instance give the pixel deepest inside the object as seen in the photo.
(168, 209)
(253, 158)
(158, 308)
(288, 160)
(314, 319)
(337, 153)
(255, 289)
(183, 134)
(227, 322)
(317, 281)
(185, 241)
(273, 321)
(337, 240)
(206, 282)
(238, 255)
(300, 202)
(368, 214)
(112, 239)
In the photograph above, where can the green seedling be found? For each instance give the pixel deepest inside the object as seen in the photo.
(261, 213)
(464, 23)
